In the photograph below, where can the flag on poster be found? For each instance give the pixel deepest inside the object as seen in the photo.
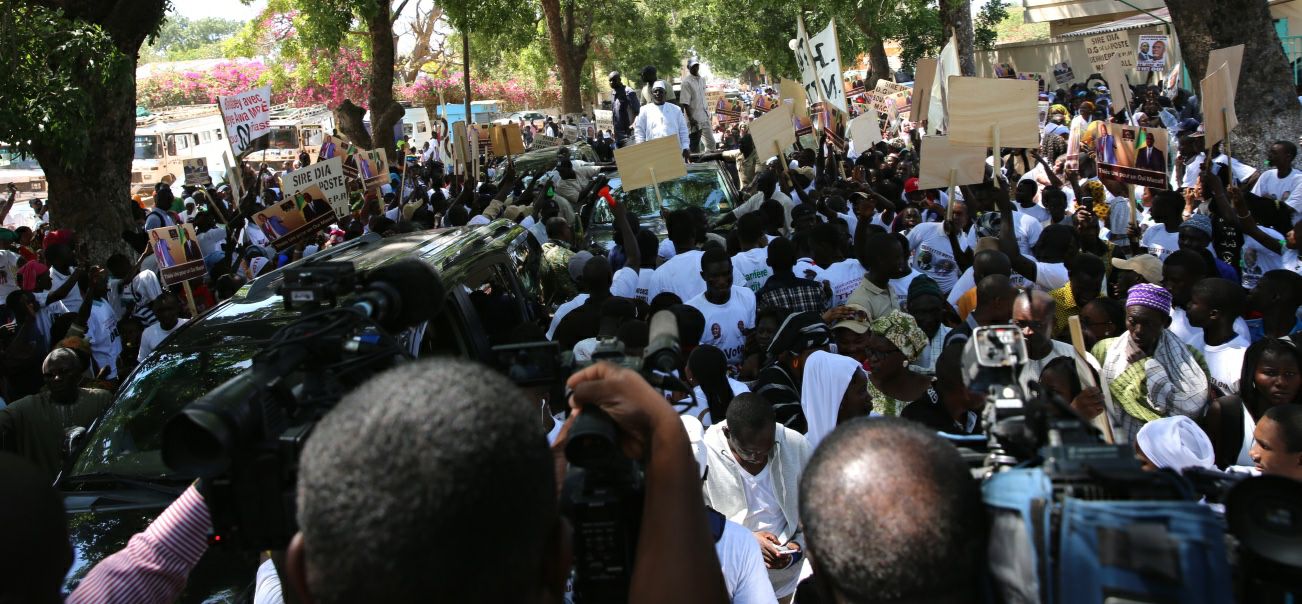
(247, 117)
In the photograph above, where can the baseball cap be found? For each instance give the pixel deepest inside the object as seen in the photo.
(613, 75)
(659, 84)
(857, 323)
(911, 185)
(576, 264)
(692, 62)
(1147, 265)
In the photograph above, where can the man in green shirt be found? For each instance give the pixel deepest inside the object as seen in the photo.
(36, 427)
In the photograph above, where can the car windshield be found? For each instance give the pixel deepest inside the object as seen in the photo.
(129, 438)
(282, 137)
(147, 147)
(700, 188)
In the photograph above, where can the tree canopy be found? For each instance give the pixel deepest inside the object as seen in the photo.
(181, 39)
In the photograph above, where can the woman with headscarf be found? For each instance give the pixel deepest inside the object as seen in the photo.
(1271, 376)
(1173, 442)
(707, 371)
(896, 342)
(835, 390)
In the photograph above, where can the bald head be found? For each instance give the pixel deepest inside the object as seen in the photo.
(1033, 314)
(1034, 303)
(887, 507)
(995, 296)
(990, 262)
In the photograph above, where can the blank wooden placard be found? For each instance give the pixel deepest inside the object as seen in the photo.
(791, 89)
(636, 163)
(508, 139)
(977, 105)
(865, 131)
(1216, 95)
(1231, 56)
(1117, 85)
(460, 143)
(774, 128)
(924, 74)
(939, 155)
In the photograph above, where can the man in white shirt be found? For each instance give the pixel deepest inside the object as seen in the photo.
(1057, 245)
(936, 252)
(692, 98)
(729, 310)
(168, 311)
(1033, 314)
(101, 326)
(137, 288)
(661, 119)
(1213, 308)
(750, 266)
(681, 274)
(1283, 183)
(766, 188)
(753, 478)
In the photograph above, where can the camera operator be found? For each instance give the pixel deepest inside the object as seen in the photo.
(433, 481)
(891, 514)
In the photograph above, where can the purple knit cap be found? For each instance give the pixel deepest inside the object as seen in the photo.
(1153, 296)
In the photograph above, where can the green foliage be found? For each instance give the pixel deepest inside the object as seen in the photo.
(1014, 28)
(181, 39)
(49, 61)
(986, 23)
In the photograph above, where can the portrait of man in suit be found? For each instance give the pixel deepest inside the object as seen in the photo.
(1149, 157)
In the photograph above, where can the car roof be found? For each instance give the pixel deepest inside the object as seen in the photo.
(450, 251)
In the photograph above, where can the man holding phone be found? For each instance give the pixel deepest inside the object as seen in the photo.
(753, 475)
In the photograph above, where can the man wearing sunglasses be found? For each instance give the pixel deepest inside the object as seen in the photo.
(752, 477)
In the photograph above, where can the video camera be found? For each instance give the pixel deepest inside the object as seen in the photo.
(1032, 433)
(244, 438)
(603, 491)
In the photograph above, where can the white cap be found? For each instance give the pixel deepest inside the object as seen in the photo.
(692, 61)
(659, 84)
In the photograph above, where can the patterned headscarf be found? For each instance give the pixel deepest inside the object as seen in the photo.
(1096, 190)
(1153, 296)
(903, 332)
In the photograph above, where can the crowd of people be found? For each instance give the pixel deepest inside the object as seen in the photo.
(822, 319)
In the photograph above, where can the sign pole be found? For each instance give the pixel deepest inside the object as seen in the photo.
(998, 159)
(1130, 206)
(655, 187)
(1225, 123)
(1087, 379)
(189, 298)
(949, 208)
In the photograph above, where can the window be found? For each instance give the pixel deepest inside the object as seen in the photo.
(312, 136)
(422, 127)
(147, 147)
(205, 136)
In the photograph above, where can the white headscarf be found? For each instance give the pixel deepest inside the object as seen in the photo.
(1177, 443)
(826, 378)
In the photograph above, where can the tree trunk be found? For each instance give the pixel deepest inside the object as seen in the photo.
(350, 121)
(956, 19)
(570, 54)
(1265, 102)
(385, 112)
(878, 62)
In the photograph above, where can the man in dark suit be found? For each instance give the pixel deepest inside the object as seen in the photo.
(1150, 157)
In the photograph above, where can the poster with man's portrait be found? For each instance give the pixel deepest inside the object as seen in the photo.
(284, 223)
(1152, 53)
(1133, 155)
(177, 250)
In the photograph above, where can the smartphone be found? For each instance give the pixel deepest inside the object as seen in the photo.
(785, 552)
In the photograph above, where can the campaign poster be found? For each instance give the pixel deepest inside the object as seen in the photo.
(1062, 73)
(802, 124)
(888, 95)
(728, 110)
(1133, 155)
(177, 251)
(1152, 53)
(373, 167)
(320, 188)
(763, 104)
(1005, 70)
(247, 116)
(832, 121)
(285, 224)
(196, 171)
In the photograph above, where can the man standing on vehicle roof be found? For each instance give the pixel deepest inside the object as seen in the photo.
(661, 119)
(624, 109)
(693, 101)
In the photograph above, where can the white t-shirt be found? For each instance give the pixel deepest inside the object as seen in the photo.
(102, 332)
(632, 284)
(750, 268)
(211, 240)
(1050, 276)
(1288, 189)
(8, 273)
(933, 254)
(1159, 241)
(1256, 259)
(1181, 328)
(744, 573)
(1036, 211)
(844, 276)
(1224, 362)
(900, 288)
(73, 298)
(701, 409)
(1026, 229)
(726, 324)
(681, 276)
(763, 508)
(806, 269)
(562, 310)
(666, 250)
(152, 336)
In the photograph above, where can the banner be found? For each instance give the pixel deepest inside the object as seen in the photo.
(319, 189)
(1152, 53)
(728, 110)
(247, 116)
(827, 65)
(946, 66)
(178, 254)
(542, 141)
(1133, 155)
(196, 171)
(888, 94)
(1102, 47)
(804, 58)
(1062, 73)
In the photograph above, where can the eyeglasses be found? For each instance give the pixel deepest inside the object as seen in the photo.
(1032, 325)
(749, 455)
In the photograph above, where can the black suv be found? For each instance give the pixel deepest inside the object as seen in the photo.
(118, 483)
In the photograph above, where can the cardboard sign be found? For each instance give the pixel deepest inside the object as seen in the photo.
(247, 116)
(605, 119)
(1038, 78)
(865, 131)
(179, 256)
(286, 225)
(1152, 53)
(1118, 86)
(791, 90)
(924, 73)
(1062, 73)
(978, 105)
(542, 141)
(320, 188)
(196, 171)
(826, 53)
(1103, 47)
(482, 140)
(461, 143)
(373, 167)
(655, 161)
(508, 139)
(773, 131)
(1232, 57)
(939, 156)
(1217, 98)
(889, 96)
(1133, 155)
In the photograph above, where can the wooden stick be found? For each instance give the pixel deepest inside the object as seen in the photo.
(655, 186)
(949, 207)
(999, 160)
(189, 299)
(1225, 123)
(1087, 379)
(1130, 205)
